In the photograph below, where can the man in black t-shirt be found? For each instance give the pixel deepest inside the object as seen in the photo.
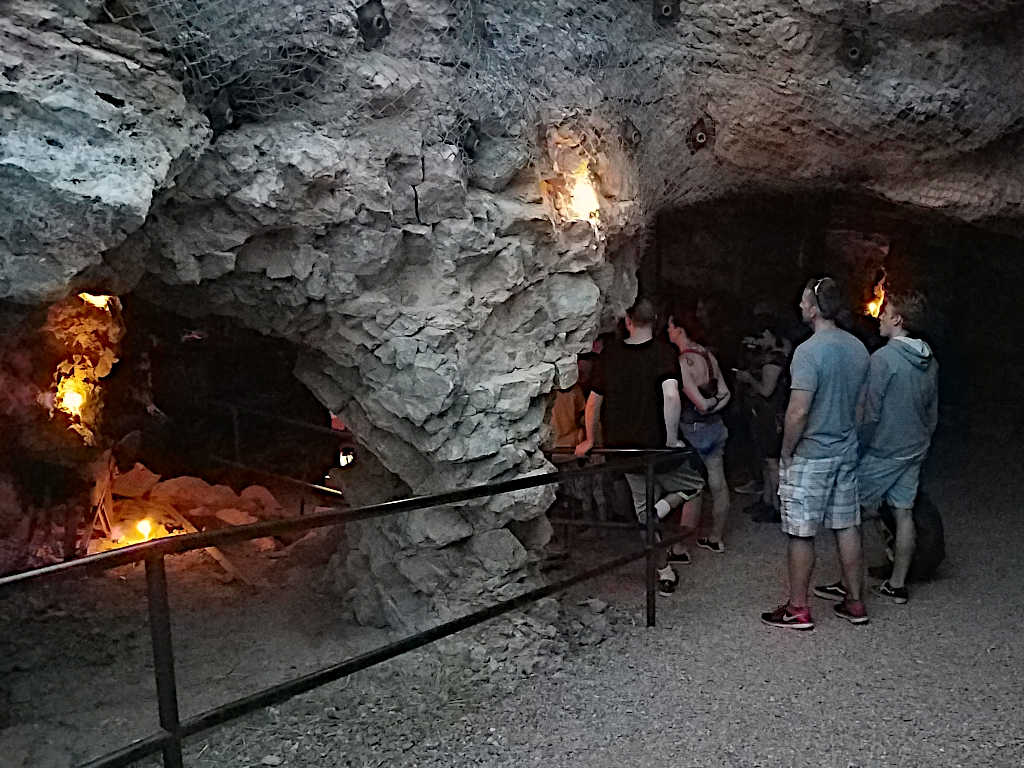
(635, 396)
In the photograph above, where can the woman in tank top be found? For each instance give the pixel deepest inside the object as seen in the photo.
(701, 425)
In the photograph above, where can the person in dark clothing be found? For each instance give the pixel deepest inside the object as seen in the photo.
(765, 394)
(635, 398)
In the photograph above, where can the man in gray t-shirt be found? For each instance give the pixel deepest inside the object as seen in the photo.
(831, 366)
(818, 479)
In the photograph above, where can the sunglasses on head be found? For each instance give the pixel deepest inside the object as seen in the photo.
(817, 285)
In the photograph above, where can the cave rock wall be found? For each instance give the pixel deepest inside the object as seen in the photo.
(436, 316)
(438, 299)
(92, 129)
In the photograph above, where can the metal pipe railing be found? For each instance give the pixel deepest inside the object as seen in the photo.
(173, 730)
(172, 545)
(235, 409)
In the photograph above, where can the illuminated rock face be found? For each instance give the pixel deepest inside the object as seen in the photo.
(437, 297)
(435, 330)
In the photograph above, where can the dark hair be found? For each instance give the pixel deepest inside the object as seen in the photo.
(826, 295)
(643, 312)
(680, 314)
(912, 307)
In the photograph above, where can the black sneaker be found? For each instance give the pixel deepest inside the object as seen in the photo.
(853, 612)
(715, 546)
(892, 594)
(679, 558)
(667, 586)
(835, 591)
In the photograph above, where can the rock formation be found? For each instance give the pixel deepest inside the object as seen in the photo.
(92, 128)
(395, 229)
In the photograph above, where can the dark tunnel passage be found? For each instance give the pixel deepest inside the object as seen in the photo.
(755, 254)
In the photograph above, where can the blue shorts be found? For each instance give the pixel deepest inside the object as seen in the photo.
(891, 480)
(707, 437)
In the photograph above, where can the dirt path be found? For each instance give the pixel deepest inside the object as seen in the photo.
(936, 682)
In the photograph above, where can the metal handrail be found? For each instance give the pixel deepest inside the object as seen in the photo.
(173, 545)
(173, 730)
(235, 409)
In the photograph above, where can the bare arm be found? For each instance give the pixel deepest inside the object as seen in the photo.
(591, 417)
(672, 408)
(796, 421)
(765, 386)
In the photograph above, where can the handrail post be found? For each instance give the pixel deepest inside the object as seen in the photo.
(649, 543)
(163, 658)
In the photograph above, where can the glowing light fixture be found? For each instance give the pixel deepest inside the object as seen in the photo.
(71, 396)
(583, 203)
(145, 527)
(875, 305)
(103, 302)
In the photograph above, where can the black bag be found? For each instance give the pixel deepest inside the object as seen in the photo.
(930, 549)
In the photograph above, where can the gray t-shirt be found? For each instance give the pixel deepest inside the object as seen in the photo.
(832, 365)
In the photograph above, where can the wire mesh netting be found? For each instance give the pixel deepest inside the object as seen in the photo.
(466, 69)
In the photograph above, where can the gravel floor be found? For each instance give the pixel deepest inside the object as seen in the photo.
(932, 683)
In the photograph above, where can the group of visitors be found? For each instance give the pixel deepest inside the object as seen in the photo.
(836, 432)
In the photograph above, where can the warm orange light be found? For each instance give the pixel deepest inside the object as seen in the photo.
(583, 202)
(71, 396)
(875, 305)
(145, 527)
(103, 302)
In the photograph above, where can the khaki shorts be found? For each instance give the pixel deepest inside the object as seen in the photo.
(686, 481)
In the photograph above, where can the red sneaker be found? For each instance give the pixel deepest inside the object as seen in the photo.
(789, 617)
(853, 611)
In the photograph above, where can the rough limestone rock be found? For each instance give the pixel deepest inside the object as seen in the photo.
(91, 130)
(439, 297)
(261, 503)
(138, 481)
(190, 492)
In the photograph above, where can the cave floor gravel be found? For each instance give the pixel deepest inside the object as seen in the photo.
(934, 683)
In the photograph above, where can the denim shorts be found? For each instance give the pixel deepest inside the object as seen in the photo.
(707, 437)
(891, 480)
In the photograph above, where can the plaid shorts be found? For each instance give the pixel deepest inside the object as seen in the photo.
(819, 492)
